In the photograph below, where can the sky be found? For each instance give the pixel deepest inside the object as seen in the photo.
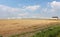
(29, 8)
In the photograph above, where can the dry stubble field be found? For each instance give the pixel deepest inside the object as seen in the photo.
(17, 26)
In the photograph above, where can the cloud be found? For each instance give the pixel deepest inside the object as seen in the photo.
(52, 9)
(11, 12)
(23, 14)
(25, 8)
(9, 9)
(55, 6)
(33, 8)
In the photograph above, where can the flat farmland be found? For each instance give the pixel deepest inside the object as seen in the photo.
(18, 26)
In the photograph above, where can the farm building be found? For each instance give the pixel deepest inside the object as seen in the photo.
(55, 17)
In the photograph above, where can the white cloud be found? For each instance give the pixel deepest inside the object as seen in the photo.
(17, 12)
(53, 3)
(9, 9)
(33, 8)
(25, 8)
(55, 6)
(23, 14)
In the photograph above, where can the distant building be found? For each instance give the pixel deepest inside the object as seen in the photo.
(55, 17)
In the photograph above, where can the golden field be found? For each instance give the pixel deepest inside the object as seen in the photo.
(17, 26)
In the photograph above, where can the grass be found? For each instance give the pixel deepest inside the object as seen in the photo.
(53, 31)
